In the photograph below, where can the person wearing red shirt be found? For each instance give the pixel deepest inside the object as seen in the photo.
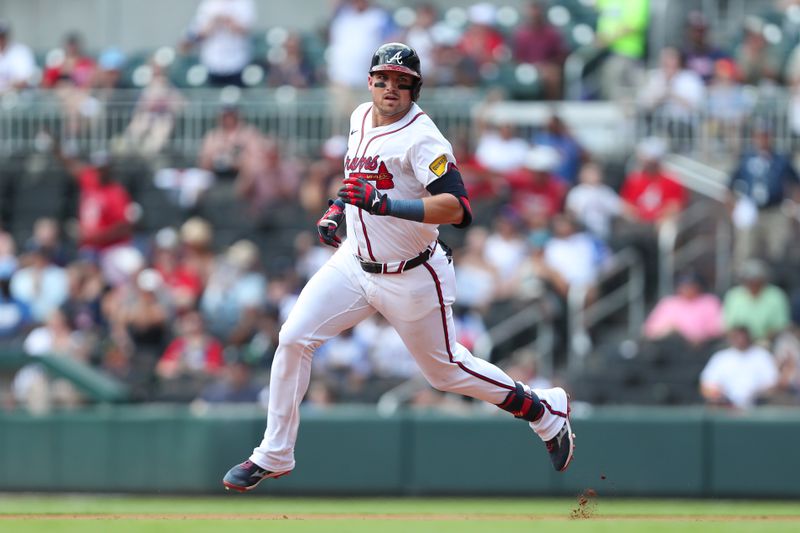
(194, 351)
(540, 44)
(190, 361)
(74, 66)
(650, 194)
(481, 41)
(106, 213)
(534, 185)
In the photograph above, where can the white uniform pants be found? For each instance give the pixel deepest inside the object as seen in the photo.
(416, 302)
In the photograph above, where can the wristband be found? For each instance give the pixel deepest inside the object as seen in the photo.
(407, 209)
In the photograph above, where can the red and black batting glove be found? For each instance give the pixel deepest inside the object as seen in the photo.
(362, 194)
(330, 222)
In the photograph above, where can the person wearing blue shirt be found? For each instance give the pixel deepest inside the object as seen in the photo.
(760, 184)
(557, 135)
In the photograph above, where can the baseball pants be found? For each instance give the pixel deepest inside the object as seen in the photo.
(416, 302)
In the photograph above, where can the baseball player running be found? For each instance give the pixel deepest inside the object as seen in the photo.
(401, 182)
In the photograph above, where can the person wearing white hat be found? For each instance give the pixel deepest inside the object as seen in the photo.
(534, 185)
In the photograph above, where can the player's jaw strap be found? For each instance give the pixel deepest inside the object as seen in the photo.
(523, 403)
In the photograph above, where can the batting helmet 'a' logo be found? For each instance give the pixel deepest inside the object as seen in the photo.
(397, 58)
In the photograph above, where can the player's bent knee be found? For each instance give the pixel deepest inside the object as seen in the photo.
(292, 338)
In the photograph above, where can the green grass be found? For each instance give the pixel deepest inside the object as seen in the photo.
(258, 513)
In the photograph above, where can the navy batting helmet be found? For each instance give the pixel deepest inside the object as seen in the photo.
(398, 57)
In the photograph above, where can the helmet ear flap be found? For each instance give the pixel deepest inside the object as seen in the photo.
(416, 90)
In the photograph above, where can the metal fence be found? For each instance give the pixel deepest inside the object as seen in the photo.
(717, 134)
(300, 120)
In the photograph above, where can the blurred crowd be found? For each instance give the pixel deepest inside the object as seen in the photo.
(179, 316)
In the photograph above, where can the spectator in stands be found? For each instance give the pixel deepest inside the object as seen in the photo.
(196, 236)
(154, 116)
(672, 95)
(470, 326)
(83, 307)
(570, 153)
(690, 313)
(72, 65)
(787, 356)
(32, 387)
(759, 61)
(700, 55)
(593, 203)
(572, 258)
(15, 315)
(762, 181)
(537, 42)
(477, 279)
(236, 385)
(17, 64)
(47, 236)
(274, 179)
(505, 248)
(106, 213)
(484, 187)
(259, 350)
(190, 361)
(422, 35)
(739, 375)
(139, 317)
(8, 252)
(650, 194)
(235, 293)
(499, 149)
(535, 185)
(221, 28)
(622, 31)
(42, 285)
(453, 68)
(530, 282)
(343, 363)
(756, 304)
(293, 68)
(729, 105)
(357, 29)
(480, 41)
(324, 175)
(108, 78)
(183, 284)
(237, 151)
(71, 74)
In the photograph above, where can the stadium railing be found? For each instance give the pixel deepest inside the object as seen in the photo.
(584, 315)
(301, 119)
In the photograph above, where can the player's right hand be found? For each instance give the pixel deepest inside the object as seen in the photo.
(330, 222)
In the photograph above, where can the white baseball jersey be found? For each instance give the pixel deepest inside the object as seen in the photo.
(401, 160)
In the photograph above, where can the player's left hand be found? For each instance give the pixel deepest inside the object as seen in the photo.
(330, 222)
(361, 193)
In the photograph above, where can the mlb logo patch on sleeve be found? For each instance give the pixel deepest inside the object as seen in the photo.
(439, 165)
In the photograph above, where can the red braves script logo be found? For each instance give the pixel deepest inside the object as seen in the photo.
(371, 169)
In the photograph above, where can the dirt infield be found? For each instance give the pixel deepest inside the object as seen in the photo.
(399, 517)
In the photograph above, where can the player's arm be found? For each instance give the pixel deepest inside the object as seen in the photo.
(447, 205)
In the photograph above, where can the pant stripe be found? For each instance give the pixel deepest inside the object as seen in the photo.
(447, 335)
